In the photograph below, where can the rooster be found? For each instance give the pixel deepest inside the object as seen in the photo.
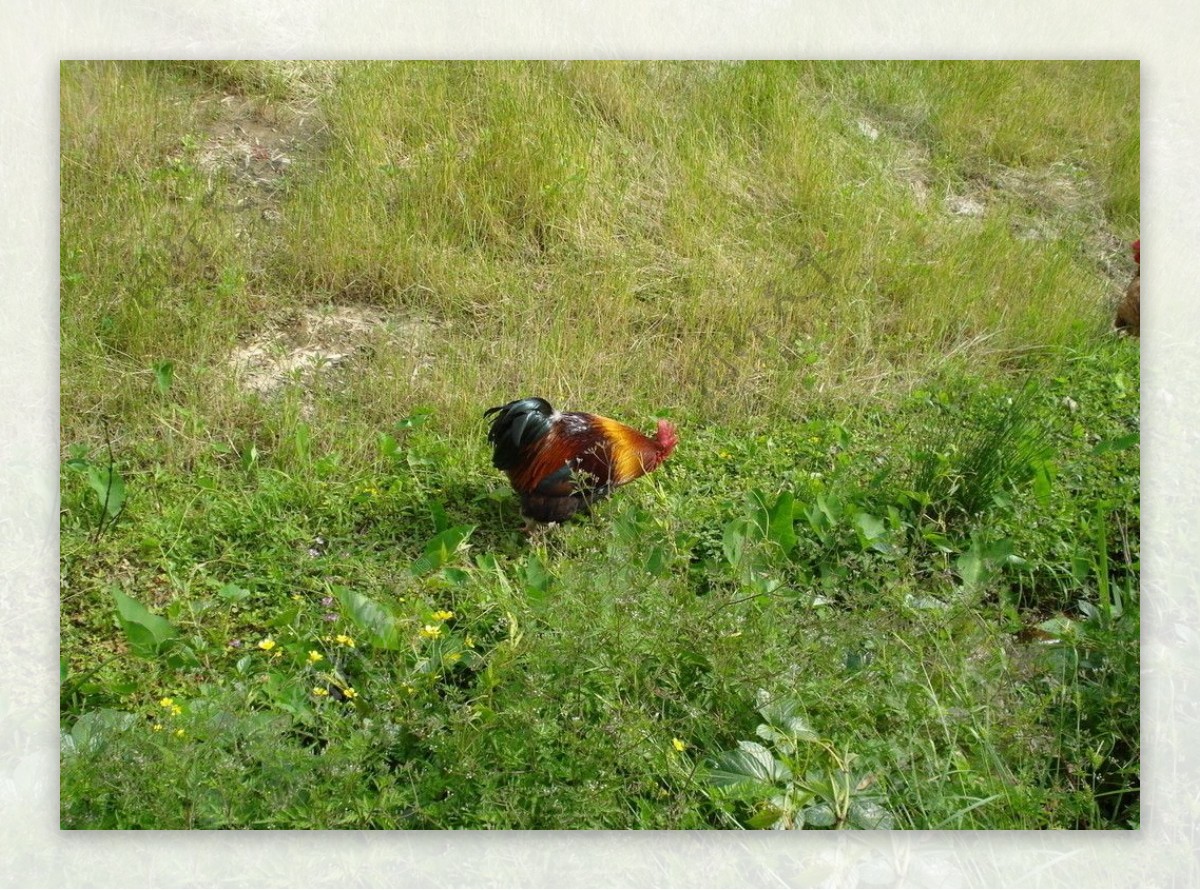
(562, 462)
(1129, 313)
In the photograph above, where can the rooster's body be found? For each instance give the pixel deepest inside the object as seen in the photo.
(560, 463)
(1129, 313)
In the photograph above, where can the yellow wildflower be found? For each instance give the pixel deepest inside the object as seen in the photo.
(314, 656)
(345, 640)
(431, 630)
(157, 727)
(176, 710)
(166, 702)
(266, 645)
(679, 744)
(320, 690)
(470, 642)
(442, 615)
(349, 692)
(179, 733)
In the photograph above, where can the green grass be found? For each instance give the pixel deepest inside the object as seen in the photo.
(900, 533)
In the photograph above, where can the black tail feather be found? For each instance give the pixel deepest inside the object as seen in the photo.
(517, 425)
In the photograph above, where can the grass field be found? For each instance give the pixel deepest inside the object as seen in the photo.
(888, 579)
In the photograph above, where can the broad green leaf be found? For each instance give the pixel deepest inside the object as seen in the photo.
(750, 764)
(146, 632)
(388, 446)
(760, 517)
(441, 549)
(418, 418)
(538, 580)
(180, 656)
(766, 817)
(781, 741)
(831, 506)
(782, 528)
(872, 527)
(786, 714)
(982, 561)
(868, 815)
(819, 522)
(109, 488)
(971, 568)
(872, 532)
(657, 563)
(289, 695)
(733, 542)
(938, 540)
(819, 816)
(233, 593)
(1119, 443)
(164, 373)
(95, 729)
(457, 577)
(285, 617)
(379, 625)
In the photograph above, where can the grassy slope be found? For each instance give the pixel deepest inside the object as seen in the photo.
(763, 252)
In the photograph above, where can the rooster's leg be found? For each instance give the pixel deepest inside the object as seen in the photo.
(536, 531)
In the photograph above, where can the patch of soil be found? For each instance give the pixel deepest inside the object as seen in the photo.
(253, 141)
(253, 145)
(298, 345)
(1049, 200)
(964, 205)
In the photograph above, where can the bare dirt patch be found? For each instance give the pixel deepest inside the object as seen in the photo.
(1041, 204)
(254, 141)
(254, 145)
(299, 345)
